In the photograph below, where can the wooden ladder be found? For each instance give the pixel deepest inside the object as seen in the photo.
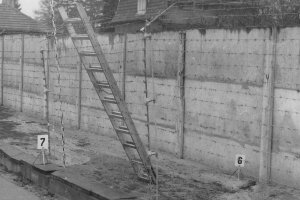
(107, 89)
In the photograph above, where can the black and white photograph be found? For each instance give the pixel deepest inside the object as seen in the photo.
(149, 99)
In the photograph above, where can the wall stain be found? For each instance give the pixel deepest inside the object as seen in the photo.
(229, 138)
(241, 133)
(247, 132)
(286, 139)
(111, 39)
(232, 108)
(245, 86)
(202, 31)
(170, 68)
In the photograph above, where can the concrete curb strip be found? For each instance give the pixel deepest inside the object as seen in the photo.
(55, 179)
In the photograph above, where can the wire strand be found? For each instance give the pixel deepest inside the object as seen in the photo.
(59, 81)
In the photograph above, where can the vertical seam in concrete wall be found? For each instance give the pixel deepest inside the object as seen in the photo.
(267, 113)
(79, 94)
(22, 71)
(181, 94)
(146, 92)
(124, 67)
(47, 93)
(2, 70)
(45, 82)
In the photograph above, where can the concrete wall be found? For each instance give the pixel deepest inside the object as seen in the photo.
(33, 77)
(286, 129)
(224, 77)
(224, 96)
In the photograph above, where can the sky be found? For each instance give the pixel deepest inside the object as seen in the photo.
(29, 6)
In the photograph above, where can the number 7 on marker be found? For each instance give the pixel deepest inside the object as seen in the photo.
(42, 142)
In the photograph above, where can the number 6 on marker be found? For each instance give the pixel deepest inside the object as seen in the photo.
(240, 160)
(42, 142)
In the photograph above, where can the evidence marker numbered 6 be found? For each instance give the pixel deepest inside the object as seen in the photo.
(42, 142)
(240, 160)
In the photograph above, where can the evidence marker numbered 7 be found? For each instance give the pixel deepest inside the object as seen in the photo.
(42, 142)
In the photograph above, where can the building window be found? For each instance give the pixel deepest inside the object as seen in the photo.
(141, 8)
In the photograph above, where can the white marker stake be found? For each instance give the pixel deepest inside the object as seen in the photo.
(42, 142)
(43, 152)
(239, 162)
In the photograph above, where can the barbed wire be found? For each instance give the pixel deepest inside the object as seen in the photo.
(59, 76)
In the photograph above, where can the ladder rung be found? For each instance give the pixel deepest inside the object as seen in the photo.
(95, 69)
(80, 37)
(110, 100)
(137, 161)
(130, 144)
(116, 115)
(144, 177)
(123, 127)
(116, 112)
(72, 20)
(103, 84)
(87, 53)
(121, 130)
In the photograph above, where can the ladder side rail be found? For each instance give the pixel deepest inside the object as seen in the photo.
(64, 16)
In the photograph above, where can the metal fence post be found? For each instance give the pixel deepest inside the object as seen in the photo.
(21, 88)
(2, 70)
(267, 112)
(181, 94)
(124, 66)
(79, 95)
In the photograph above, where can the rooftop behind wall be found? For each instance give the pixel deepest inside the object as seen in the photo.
(13, 21)
(202, 14)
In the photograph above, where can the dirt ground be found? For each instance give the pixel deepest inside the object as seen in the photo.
(102, 158)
